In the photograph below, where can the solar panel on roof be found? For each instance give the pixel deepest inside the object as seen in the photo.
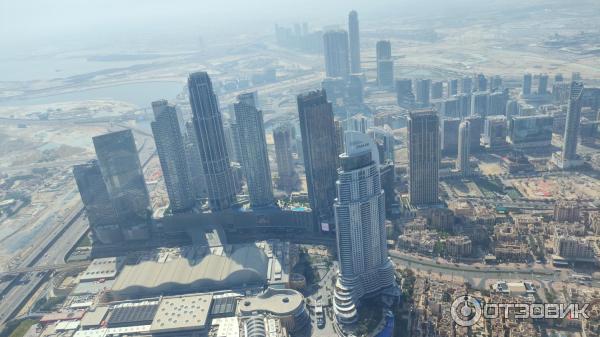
(134, 314)
(223, 306)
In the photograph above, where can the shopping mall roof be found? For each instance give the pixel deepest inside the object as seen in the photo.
(279, 302)
(182, 313)
(104, 268)
(225, 268)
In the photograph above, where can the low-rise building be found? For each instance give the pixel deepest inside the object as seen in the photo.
(419, 241)
(575, 248)
(566, 210)
(459, 246)
(517, 252)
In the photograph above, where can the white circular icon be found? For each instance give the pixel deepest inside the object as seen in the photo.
(466, 310)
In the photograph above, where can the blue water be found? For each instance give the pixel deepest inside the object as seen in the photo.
(141, 94)
(388, 330)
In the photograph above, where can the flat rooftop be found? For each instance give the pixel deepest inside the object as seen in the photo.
(279, 302)
(104, 268)
(182, 313)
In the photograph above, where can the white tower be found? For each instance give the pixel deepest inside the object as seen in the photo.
(365, 267)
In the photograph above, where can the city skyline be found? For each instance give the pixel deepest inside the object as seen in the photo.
(338, 169)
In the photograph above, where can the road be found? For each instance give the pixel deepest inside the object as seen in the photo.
(323, 292)
(51, 250)
(471, 273)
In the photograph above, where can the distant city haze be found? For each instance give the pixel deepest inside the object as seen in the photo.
(33, 26)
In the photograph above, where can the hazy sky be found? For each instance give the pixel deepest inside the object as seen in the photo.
(25, 24)
(62, 21)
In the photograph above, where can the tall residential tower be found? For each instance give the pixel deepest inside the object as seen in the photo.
(211, 142)
(568, 158)
(462, 160)
(282, 136)
(253, 150)
(365, 267)
(335, 47)
(354, 35)
(424, 157)
(172, 155)
(319, 145)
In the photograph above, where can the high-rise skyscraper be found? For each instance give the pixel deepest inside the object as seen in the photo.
(559, 78)
(495, 83)
(527, 81)
(481, 82)
(339, 137)
(495, 132)
(404, 93)
(253, 150)
(354, 35)
(383, 50)
(462, 160)
(192, 150)
(480, 103)
(385, 64)
(543, 84)
(385, 73)
(384, 137)
(355, 89)
(172, 155)
(422, 93)
(358, 122)
(512, 109)
(424, 157)
(466, 85)
(282, 136)
(452, 87)
(464, 105)
(437, 90)
(365, 267)
(211, 142)
(122, 173)
(568, 157)
(99, 209)
(449, 130)
(319, 145)
(497, 103)
(476, 126)
(335, 47)
(450, 107)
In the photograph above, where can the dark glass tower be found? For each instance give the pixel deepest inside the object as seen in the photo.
(424, 157)
(282, 136)
(122, 173)
(211, 142)
(319, 146)
(94, 194)
(99, 209)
